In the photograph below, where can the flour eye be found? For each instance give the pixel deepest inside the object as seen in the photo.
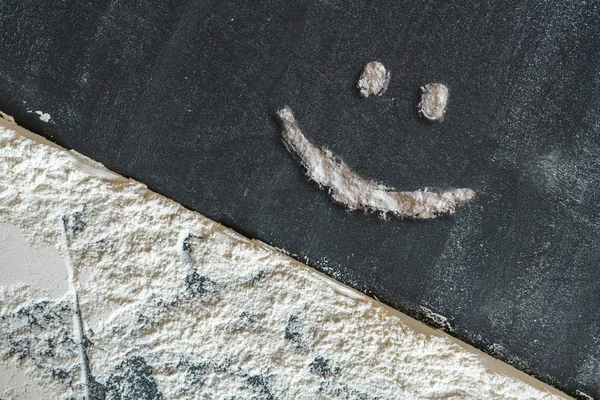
(433, 101)
(374, 79)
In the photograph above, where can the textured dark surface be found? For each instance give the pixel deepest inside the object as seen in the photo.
(182, 97)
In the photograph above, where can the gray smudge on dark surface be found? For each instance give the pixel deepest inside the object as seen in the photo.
(182, 97)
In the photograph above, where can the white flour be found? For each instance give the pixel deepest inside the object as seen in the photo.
(175, 305)
(374, 79)
(358, 193)
(433, 101)
(44, 117)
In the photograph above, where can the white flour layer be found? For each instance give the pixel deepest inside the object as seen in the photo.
(175, 305)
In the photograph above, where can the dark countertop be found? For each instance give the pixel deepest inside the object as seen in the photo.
(182, 96)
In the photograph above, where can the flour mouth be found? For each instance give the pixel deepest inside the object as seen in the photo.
(355, 192)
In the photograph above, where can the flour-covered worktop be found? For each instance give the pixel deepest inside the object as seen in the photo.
(109, 290)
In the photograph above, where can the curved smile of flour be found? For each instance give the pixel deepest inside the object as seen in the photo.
(356, 192)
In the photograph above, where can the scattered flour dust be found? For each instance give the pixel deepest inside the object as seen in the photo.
(356, 192)
(174, 305)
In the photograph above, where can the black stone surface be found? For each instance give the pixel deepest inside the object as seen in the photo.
(182, 96)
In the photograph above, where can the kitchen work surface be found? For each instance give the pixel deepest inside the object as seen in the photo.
(183, 97)
(153, 301)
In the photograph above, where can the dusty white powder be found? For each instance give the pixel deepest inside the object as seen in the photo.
(374, 79)
(433, 101)
(44, 117)
(356, 192)
(175, 305)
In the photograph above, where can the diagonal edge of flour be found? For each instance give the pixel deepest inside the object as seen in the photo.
(283, 329)
(357, 193)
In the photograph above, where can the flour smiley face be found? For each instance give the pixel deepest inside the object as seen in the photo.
(354, 191)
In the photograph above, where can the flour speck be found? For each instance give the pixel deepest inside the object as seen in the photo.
(44, 117)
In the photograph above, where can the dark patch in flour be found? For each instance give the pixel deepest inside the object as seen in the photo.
(344, 391)
(194, 371)
(132, 379)
(292, 331)
(259, 275)
(249, 317)
(323, 367)
(74, 222)
(260, 383)
(37, 331)
(197, 284)
(60, 374)
(100, 245)
(39, 335)
(186, 245)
